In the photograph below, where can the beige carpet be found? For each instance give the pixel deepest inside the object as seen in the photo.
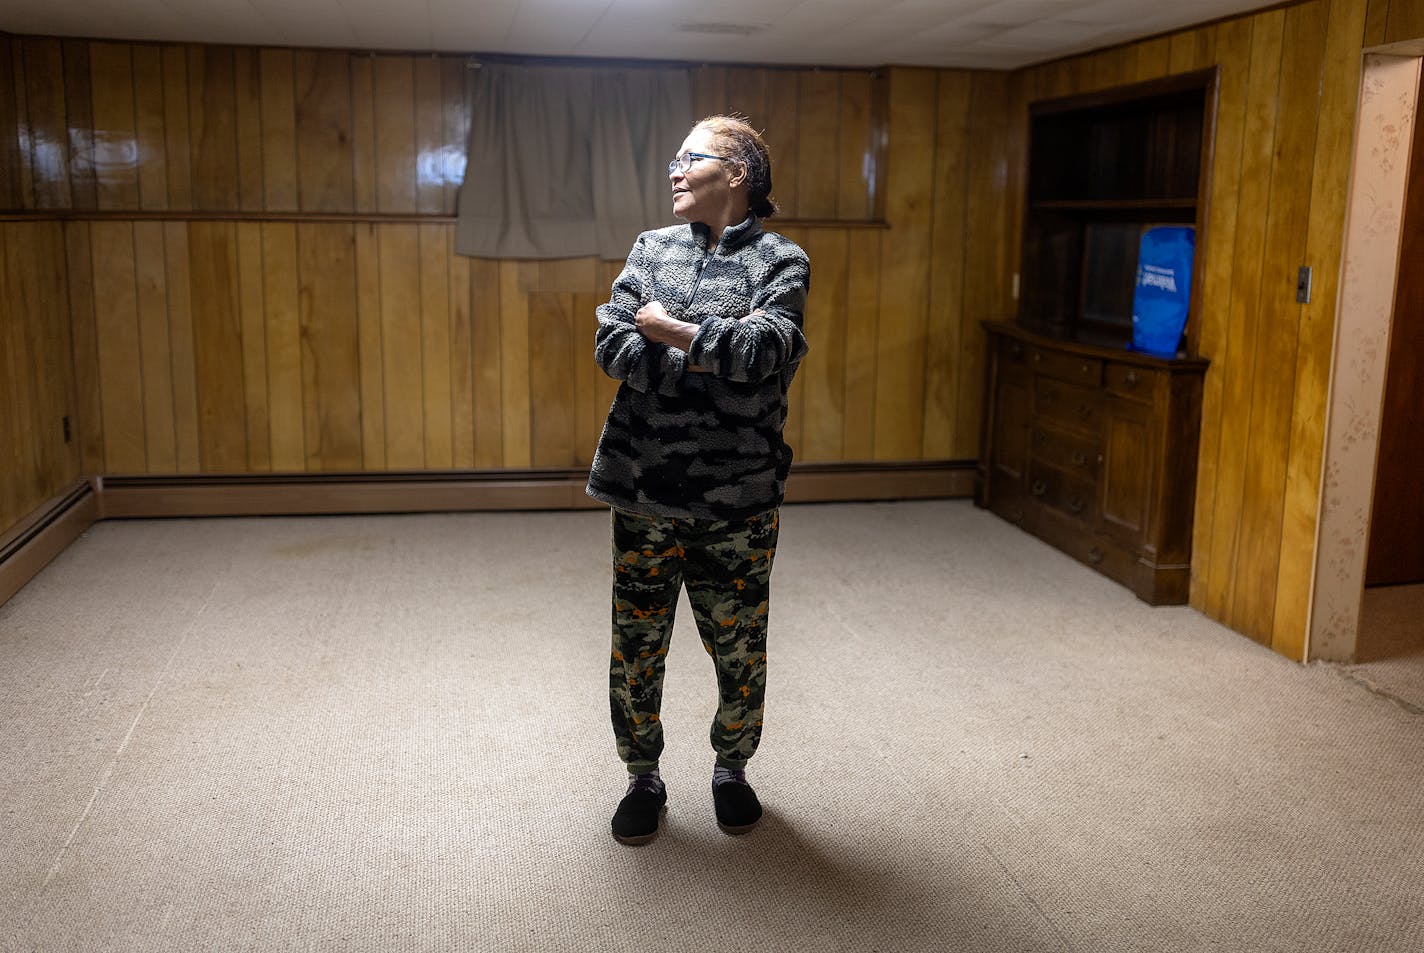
(389, 734)
(1392, 630)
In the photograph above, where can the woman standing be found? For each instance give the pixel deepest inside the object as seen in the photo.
(703, 329)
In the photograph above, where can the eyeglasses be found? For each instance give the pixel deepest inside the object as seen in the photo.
(684, 162)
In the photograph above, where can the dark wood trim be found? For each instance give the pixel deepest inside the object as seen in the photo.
(1195, 81)
(353, 218)
(30, 546)
(456, 491)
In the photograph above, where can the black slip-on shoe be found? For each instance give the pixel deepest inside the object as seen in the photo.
(738, 809)
(636, 820)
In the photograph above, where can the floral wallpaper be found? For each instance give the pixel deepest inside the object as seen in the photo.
(1383, 134)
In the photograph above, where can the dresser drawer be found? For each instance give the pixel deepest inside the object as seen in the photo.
(1075, 454)
(1070, 495)
(1068, 405)
(1134, 383)
(1087, 371)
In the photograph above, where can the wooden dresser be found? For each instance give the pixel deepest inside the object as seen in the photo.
(1093, 450)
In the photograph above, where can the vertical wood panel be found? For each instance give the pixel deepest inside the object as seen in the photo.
(116, 327)
(282, 333)
(43, 64)
(1377, 14)
(12, 443)
(949, 239)
(986, 276)
(862, 333)
(1406, 21)
(212, 121)
(150, 127)
(247, 84)
(435, 255)
(1192, 50)
(514, 277)
(904, 289)
(1249, 251)
(1218, 263)
(253, 319)
(818, 144)
(116, 149)
(323, 129)
(394, 87)
(331, 373)
(462, 369)
(456, 115)
(217, 346)
(400, 346)
(745, 93)
(36, 364)
(551, 379)
(823, 372)
(24, 134)
(429, 137)
(155, 369)
(11, 130)
(487, 347)
(1273, 384)
(782, 135)
(855, 148)
(709, 91)
(186, 405)
(178, 154)
(79, 121)
(1153, 59)
(279, 131)
(371, 348)
(88, 404)
(363, 133)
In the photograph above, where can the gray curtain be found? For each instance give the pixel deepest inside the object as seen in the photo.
(569, 161)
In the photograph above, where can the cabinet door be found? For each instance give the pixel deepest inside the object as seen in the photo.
(1128, 471)
(1011, 439)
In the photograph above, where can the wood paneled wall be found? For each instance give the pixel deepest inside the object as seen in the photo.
(36, 370)
(263, 280)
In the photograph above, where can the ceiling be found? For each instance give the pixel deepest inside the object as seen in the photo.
(992, 34)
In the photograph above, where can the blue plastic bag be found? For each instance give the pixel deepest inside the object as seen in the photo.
(1164, 288)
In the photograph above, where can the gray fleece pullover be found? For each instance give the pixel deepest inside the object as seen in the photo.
(687, 444)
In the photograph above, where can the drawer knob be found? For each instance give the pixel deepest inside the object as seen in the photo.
(1079, 458)
(1131, 379)
(1095, 555)
(1016, 515)
(1084, 368)
(1016, 349)
(1076, 504)
(1037, 358)
(1039, 488)
(1085, 411)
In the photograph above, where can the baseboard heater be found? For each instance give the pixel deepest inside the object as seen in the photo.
(426, 491)
(30, 546)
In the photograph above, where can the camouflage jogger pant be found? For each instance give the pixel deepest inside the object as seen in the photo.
(726, 567)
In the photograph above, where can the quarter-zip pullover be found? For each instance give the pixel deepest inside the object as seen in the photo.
(681, 443)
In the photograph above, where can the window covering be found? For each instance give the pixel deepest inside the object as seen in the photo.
(567, 162)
